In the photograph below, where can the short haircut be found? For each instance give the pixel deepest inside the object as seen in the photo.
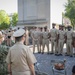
(17, 39)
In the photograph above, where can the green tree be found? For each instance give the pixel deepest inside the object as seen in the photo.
(4, 20)
(70, 11)
(14, 19)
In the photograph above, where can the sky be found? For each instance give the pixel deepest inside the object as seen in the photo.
(57, 7)
(10, 6)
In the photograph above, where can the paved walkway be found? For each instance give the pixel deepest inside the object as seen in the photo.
(44, 62)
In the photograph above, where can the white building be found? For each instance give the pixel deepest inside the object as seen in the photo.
(34, 13)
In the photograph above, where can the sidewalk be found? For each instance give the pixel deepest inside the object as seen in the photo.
(44, 64)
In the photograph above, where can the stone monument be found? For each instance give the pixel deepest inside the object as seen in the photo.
(34, 13)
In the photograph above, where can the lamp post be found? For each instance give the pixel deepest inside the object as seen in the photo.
(11, 20)
(62, 18)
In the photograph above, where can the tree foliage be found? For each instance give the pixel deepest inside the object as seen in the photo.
(4, 20)
(70, 11)
(14, 19)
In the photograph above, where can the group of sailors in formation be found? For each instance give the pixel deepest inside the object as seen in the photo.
(42, 36)
(56, 37)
